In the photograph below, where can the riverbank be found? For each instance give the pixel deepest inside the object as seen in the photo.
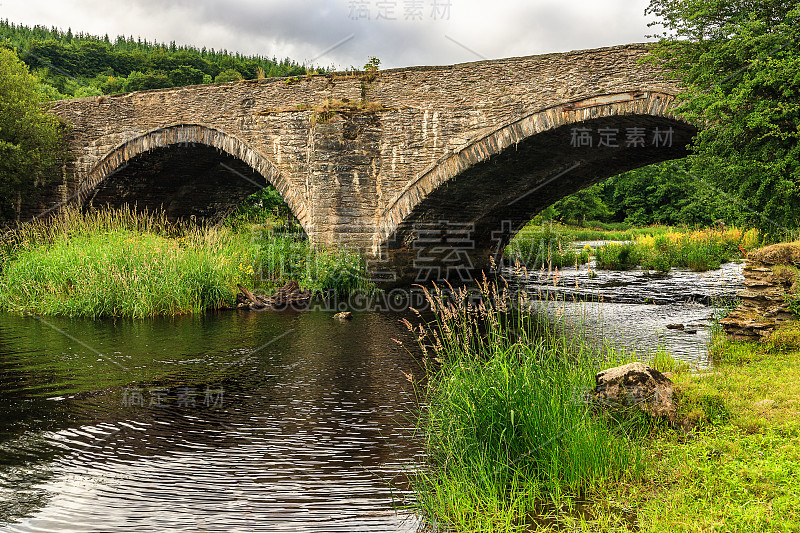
(123, 263)
(507, 429)
(510, 450)
(655, 248)
(733, 464)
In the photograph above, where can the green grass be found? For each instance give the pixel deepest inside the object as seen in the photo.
(509, 448)
(733, 462)
(120, 263)
(592, 231)
(656, 248)
(544, 247)
(506, 426)
(698, 250)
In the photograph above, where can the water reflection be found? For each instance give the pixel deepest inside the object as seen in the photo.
(312, 431)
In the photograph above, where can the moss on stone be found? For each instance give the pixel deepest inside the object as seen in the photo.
(785, 253)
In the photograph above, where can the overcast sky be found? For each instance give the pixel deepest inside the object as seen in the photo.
(344, 33)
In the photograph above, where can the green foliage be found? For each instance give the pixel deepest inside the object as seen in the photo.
(228, 75)
(696, 250)
(31, 140)
(260, 207)
(615, 256)
(139, 81)
(792, 275)
(664, 193)
(372, 65)
(185, 75)
(123, 263)
(740, 65)
(67, 62)
(584, 204)
(544, 246)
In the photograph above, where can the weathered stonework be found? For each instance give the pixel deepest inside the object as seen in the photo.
(767, 281)
(482, 145)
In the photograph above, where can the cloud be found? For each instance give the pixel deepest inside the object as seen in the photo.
(304, 29)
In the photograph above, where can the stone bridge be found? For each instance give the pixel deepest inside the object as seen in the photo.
(428, 170)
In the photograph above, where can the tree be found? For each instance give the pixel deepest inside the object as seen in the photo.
(583, 205)
(138, 81)
(228, 75)
(185, 75)
(739, 62)
(31, 140)
(664, 193)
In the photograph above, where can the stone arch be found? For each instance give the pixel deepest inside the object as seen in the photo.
(190, 135)
(480, 150)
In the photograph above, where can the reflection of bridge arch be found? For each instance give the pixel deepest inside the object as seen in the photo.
(496, 183)
(190, 136)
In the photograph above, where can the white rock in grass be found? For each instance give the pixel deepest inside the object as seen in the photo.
(636, 384)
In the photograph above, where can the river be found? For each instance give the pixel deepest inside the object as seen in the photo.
(270, 421)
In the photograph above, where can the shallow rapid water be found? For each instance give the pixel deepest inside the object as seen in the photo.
(632, 309)
(248, 422)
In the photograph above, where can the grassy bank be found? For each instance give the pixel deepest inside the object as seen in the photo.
(121, 263)
(593, 231)
(513, 448)
(734, 464)
(657, 248)
(698, 250)
(508, 433)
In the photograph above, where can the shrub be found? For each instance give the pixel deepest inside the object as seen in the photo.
(615, 256)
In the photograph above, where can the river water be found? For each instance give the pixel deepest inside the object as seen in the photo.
(271, 421)
(236, 421)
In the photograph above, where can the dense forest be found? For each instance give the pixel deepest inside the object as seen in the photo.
(69, 65)
(663, 193)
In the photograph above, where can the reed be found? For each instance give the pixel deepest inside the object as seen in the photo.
(507, 426)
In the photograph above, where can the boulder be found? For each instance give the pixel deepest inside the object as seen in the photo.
(635, 384)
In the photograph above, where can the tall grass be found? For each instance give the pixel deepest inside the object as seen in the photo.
(597, 231)
(507, 426)
(698, 250)
(124, 263)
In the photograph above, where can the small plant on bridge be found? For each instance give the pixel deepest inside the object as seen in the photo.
(371, 69)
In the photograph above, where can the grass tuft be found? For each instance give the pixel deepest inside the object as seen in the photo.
(507, 423)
